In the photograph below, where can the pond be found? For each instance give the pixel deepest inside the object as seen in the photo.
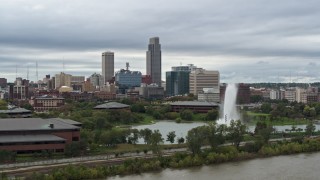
(166, 126)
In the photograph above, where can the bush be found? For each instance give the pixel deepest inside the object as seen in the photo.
(186, 115)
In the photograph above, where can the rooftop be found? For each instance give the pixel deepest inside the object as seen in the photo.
(30, 138)
(194, 103)
(35, 124)
(112, 105)
(15, 110)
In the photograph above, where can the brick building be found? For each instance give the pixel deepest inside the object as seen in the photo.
(46, 103)
(28, 135)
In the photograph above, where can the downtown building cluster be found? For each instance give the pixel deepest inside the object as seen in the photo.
(51, 91)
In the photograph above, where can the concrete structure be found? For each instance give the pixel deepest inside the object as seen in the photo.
(107, 65)
(62, 79)
(28, 135)
(177, 83)
(151, 91)
(195, 106)
(154, 60)
(274, 94)
(209, 95)
(88, 87)
(19, 90)
(97, 80)
(301, 95)
(46, 103)
(290, 95)
(201, 78)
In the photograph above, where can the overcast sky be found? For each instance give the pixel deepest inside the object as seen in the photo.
(246, 40)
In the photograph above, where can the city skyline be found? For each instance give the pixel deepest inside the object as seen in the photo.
(266, 41)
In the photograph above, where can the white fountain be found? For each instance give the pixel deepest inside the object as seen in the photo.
(229, 111)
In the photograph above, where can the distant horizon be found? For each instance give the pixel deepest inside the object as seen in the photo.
(256, 41)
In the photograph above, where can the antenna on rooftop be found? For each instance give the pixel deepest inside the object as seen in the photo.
(28, 72)
(37, 71)
(127, 66)
(63, 65)
(16, 71)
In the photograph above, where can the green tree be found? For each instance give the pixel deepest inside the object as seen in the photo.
(134, 137)
(216, 134)
(266, 108)
(3, 105)
(212, 115)
(310, 128)
(196, 138)
(236, 132)
(72, 149)
(171, 136)
(180, 140)
(138, 107)
(155, 140)
(145, 134)
(186, 115)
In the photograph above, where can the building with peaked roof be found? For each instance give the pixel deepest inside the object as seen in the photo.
(28, 135)
(16, 112)
(112, 105)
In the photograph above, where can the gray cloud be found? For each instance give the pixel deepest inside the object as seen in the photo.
(245, 41)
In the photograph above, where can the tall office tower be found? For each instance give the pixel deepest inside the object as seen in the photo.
(107, 65)
(154, 60)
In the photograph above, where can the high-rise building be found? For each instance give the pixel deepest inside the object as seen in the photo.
(154, 60)
(177, 83)
(107, 65)
(201, 78)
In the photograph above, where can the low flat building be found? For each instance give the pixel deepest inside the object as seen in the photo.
(29, 135)
(195, 106)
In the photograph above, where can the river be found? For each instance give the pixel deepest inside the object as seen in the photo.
(292, 167)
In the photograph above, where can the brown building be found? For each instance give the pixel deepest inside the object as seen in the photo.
(105, 95)
(87, 86)
(30, 135)
(243, 95)
(146, 79)
(46, 103)
(195, 106)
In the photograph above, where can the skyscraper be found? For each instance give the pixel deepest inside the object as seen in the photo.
(107, 65)
(154, 60)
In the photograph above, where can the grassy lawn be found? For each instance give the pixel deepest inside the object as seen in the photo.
(256, 117)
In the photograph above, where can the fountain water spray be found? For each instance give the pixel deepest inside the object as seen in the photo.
(229, 111)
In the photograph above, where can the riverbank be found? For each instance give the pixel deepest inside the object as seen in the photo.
(181, 160)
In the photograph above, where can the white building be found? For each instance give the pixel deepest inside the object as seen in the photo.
(209, 95)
